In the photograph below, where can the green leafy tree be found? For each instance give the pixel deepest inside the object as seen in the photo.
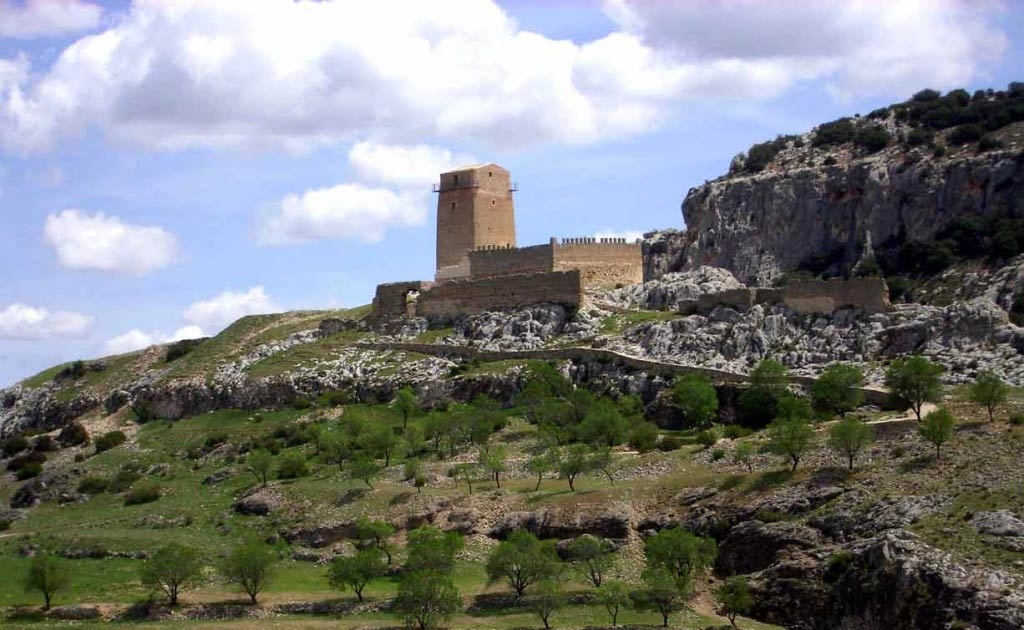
(522, 560)
(293, 466)
(541, 465)
(790, 407)
(734, 598)
(335, 448)
(375, 534)
(48, 575)
(432, 550)
(465, 471)
(406, 404)
(250, 566)
(603, 424)
(989, 391)
(601, 459)
(548, 597)
(614, 596)
(937, 428)
(661, 593)
(767, 385)
(415, 441)
(680, 553)
(694, 398)
(575, 460)
(493, 460)
(426, 599)
(259, 463)
(743, 455)
(849, 437)
(364, 469)
(381, 442)
(171, 569)
(592, 557)
(914, 380)
(836, 390)
(357, 571)
(790, 438)
(643, 436)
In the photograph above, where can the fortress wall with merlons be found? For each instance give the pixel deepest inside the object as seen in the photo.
(467, 297)
(602, 262)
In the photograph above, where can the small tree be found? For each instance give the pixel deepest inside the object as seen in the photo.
(767, 385)
(937, 428)
(48, 575)
(601, 459)
(431, 550)
(465, 471)
(375, 533)
(357, 571)
(406, 404)
(791, 438)
(522, 560)
(614, 596)
(680, 553)
(364, 469)
(171, 569)
(661, 593)
(426, 598)
(574, 461)
(848, 437)
(914, 380)
(250, 566)
(603, 424)
(743, 455)
(380, 442)
(492, 459)
(989, 391)
(259, 463)
(695, 399)
(734, 598)
(592, 557)
(836, 390)
(548, 597)
(542, 464)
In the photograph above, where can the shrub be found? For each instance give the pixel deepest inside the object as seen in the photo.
(900, 289)
(836, 390)
(965, 134)
(873, 138)
(717, 455)
(73, 434)
(293, 466)
(695, 399)
(300, 404)
(926, 95)
(215, 439)
(938, 151)
(669, 443)
(14, 445)
(735, 431)
(73, 371)
(643, 437)
(142, 494)
(1017, 419)
(179, 349)
(110, 440)
(707, 439)
(920, 137)
(989, 143)
(833, 133)
(17, 463)
(93, 485)
(29, 470)
(337, 398)
(123, 480)
(44, 444)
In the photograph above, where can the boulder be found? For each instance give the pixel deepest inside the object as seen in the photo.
(259, 502)
(753, 545)
(999, 523)
(612, 522)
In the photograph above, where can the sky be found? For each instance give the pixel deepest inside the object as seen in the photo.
(167, 166)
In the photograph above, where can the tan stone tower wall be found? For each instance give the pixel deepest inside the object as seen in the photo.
(474, 209)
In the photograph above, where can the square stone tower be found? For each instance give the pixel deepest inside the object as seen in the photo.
(474, 209)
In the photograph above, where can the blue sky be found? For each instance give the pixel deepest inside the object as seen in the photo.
(167, 166)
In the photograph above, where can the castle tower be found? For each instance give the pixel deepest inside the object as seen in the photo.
(474, 209)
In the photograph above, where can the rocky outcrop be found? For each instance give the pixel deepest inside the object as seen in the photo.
(663, 251)
(612, 522)
(668, 290)
(753, 545)
(762, 225)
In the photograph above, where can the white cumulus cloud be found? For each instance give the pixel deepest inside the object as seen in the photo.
(136, 339)
(23, 322)
(342, 211)
(105, 243)
(46, 18)
(214, 314)
(400, 165)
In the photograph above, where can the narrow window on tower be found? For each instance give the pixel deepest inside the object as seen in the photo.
(455, 180)
(453, 205)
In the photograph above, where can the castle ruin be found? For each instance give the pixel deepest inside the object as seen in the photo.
(480, 268)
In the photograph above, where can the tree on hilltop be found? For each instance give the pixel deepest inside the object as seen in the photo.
(989, 391)
(914, 380)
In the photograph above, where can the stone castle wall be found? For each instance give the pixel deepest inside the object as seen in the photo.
(808, 297)
(606, 262)
(393, 299)
(469, 296)
(484, 263)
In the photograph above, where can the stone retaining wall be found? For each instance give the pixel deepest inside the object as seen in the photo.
(821, 297)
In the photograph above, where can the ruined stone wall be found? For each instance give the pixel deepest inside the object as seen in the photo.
(486, 262)
(392, 299)
(606, 262)
(469, 296)
(808, 297)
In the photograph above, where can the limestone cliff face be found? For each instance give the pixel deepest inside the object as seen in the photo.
(762, 225)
